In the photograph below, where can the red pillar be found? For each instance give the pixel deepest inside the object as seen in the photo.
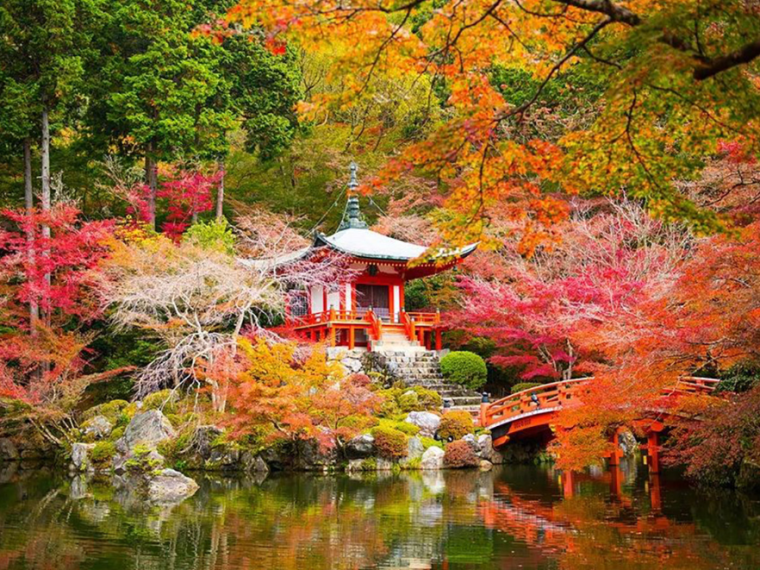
(351, 338)
(653, 450)
(568, 484)
(438, 343)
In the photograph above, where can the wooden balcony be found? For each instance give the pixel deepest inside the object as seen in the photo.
(359, 328)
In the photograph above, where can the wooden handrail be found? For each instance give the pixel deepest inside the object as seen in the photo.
(408, 323)
(557, 394)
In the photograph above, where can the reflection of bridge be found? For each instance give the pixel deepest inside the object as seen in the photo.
(530, 413)
(557, 526)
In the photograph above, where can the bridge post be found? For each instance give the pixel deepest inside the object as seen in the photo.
(653, 451)
(484, 405)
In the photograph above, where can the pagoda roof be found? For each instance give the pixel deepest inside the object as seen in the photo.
(363, 243)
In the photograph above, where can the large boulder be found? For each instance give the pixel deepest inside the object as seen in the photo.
(310, 456)
(98, 427)
(8, 450)
(428, 422)
(414, 448)
(170, 486)
(432, 458)
(148, 429)
(360, 447)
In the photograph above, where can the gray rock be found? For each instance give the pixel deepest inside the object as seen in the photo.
(99, 427)
(485, 465)
(149, 429)
(469, 438)
(223, 457)
(355, 465)
(8, 450)
(432, 458)
(311, 457)
(360, 447)
(80, 460)
(170, 486)
(384, 464)
(203, 440)
(485, 448)
(352, 365)
(119, 464)
(414, 448)
(253, 463)
(428, 422)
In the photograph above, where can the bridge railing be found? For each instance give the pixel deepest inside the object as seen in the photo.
(533, 399)
(566, 393)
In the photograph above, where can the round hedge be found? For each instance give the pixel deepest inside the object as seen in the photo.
(465, 368)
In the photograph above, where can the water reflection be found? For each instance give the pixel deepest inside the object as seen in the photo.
(515, 517)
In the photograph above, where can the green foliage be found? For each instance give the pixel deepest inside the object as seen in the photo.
(215, 235)
(141, 462)
(455, 424)
(117, 433)
(399, 425)
(401, 399)
(103, 452)
(460, 454)
(413, 464)
(524, 386)
(389, 442)
(110, 410)
(164, 400)
(739, 378)
(465, 368)
(428, 442)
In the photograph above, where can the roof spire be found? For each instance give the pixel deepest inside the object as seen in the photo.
(352, 216)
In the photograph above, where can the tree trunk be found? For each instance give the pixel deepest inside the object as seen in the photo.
(220, 191)
(151, 179)
(34, 310)
(45, 196)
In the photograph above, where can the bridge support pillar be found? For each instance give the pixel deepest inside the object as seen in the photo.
(653, 451)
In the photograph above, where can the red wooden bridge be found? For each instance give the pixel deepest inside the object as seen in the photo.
(531, 412)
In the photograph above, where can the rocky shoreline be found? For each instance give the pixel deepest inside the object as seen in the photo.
(147, 457)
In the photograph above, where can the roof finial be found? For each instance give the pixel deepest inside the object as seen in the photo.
(352, 217)
(352, 183)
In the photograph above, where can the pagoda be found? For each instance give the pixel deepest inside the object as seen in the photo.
(366, 310)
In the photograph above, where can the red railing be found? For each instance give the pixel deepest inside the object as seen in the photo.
(375, 324)
(548, 397)
(408, 323)
(419, 318)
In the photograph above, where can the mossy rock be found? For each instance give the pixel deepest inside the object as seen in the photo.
(164, 400)
(110, 410)
(103, 452)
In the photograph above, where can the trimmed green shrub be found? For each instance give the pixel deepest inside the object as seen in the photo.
(459, 454)
(465, 368)
(455, 424)
(389, 442)
(523, 386)
(428, 442)
(400, 425)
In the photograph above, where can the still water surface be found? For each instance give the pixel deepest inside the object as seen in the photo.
(513, 517)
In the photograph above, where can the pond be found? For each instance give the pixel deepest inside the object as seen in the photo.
(512, 517)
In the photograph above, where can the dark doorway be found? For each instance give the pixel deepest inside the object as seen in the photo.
(375, 296)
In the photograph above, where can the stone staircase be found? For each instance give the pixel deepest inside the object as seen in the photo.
(422, 368)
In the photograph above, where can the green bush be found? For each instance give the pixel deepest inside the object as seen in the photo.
(459, 454)
(164, 400)
(465, 368)
(428, 442)
(389, 442)
(523, 386)
(103, 452)
(455, 425)
(215, 235)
